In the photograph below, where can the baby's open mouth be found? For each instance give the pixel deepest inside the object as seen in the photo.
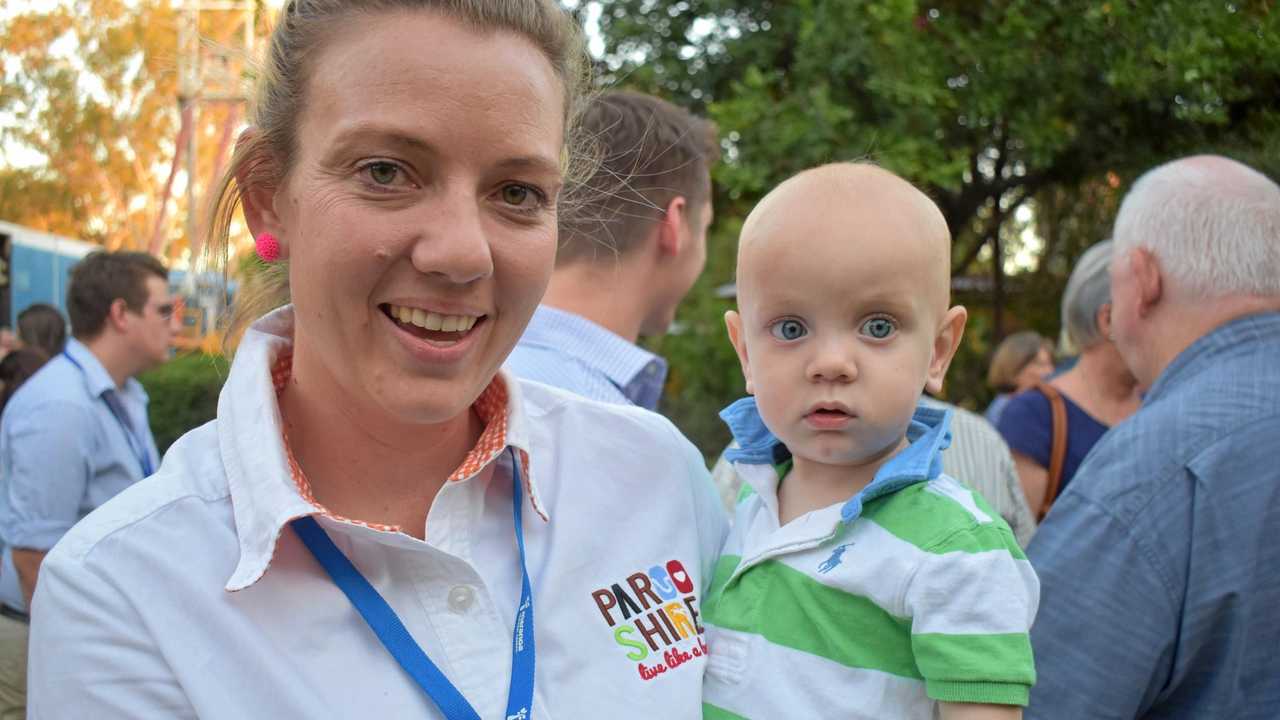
(430, 325)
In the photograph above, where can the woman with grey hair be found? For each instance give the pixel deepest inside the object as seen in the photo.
(1051, 427)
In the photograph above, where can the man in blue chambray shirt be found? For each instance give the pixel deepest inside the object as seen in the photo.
(630, 248)
(1160, 564)
(76, 433)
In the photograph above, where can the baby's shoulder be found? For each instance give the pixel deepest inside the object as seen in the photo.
(942, 515)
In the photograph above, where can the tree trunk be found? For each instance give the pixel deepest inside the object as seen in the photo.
(997, 275)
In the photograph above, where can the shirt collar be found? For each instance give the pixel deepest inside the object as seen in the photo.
(265, 493)
(1240, 335)
(634, 370)
(97, 379)
(929, 433)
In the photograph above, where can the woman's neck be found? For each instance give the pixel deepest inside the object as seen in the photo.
(364, 465)
(1102, 386)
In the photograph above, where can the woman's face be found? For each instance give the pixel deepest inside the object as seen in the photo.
(1040, 367)
(419, 214)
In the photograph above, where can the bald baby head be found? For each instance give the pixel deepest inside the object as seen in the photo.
(856, 205)
(843, 318)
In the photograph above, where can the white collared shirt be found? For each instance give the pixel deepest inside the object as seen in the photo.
(190, 596)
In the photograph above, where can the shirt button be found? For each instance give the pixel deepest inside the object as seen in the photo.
(461, 598)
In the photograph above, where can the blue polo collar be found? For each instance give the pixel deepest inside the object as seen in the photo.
(928, 434)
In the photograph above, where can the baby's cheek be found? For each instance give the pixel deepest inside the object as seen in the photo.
(772, 411)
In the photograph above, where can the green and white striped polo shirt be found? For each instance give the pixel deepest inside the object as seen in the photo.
(924, 596)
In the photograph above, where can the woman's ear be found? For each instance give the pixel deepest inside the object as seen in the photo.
(255, 175)
(945, 344)
(1103, 320)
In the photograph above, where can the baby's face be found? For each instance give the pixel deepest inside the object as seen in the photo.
(839, 323)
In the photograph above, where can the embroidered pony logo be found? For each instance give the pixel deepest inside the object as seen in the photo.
(522, 715)
(834, 561)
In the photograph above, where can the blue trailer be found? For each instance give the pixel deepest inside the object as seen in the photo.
(34, 267)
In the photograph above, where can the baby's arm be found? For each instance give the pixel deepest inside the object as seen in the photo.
(974, 711)
(971, 601)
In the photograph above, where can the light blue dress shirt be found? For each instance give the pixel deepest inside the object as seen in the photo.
(1160, 563)
(63, 452)
(572, 353)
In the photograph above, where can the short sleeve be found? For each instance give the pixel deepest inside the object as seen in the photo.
(972, 601)
(1027, 426)
(47, 465)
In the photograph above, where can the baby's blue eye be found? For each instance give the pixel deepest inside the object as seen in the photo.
(788, 330)
(878, 328)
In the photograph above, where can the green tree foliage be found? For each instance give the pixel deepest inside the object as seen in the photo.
(184, 395)
(89, 89)
(991, 106)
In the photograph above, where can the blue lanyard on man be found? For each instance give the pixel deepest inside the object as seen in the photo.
(395, 637)
(137, 445)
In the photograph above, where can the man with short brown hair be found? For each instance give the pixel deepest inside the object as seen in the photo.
(76, 433)
(631, 246)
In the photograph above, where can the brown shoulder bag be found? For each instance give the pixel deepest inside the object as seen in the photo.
(1058, 448)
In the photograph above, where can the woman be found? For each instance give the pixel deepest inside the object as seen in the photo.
(42, 326)
(1096, 393)
(16, 368)
(1020, 362)
(379, 523)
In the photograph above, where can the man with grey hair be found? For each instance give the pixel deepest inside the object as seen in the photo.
(1160, 565)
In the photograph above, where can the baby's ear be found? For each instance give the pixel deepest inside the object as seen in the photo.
(733, 323)
(945, 343)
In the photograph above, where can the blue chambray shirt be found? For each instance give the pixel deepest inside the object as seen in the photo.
(63, 453)
(1160, 563)
(570, 352)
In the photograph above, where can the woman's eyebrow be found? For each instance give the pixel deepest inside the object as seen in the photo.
(365, 132)
(535, 163)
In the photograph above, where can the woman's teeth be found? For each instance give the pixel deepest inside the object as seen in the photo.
(432, 321)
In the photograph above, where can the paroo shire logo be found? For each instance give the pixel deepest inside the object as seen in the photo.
(654, 616)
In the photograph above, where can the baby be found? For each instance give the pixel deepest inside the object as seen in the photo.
(858, 581)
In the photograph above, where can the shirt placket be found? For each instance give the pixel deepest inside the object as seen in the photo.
(457, 603)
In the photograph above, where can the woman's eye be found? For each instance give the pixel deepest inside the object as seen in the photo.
(878, 328)
(382, 173)
(788, 330)
(521, 196)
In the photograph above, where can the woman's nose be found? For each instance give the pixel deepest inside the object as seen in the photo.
(454, 243)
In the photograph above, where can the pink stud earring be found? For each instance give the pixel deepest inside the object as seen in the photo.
(267, 247)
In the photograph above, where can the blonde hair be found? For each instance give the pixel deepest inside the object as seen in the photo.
(1012, 355)
(264, 158)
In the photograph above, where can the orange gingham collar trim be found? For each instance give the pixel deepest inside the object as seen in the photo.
(493, 409)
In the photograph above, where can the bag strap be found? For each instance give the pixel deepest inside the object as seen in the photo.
(1058, 448)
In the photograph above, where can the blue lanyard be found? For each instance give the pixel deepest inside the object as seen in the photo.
(136, 445)
(387, 626)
